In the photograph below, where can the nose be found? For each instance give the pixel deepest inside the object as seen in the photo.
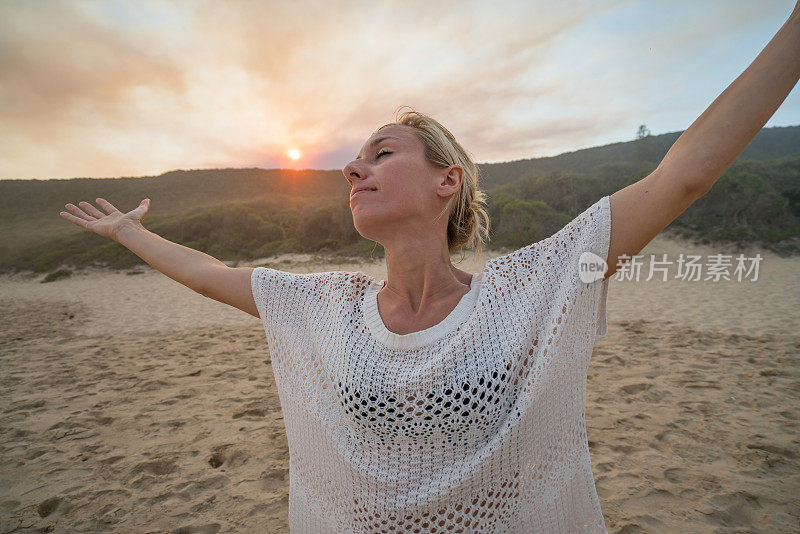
(352, 172)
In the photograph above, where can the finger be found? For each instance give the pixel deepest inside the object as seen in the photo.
(77, 220)
(141, 209)
(106, 205)
(75, 210)
(91, 210)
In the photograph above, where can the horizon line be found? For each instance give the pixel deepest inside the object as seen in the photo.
(339, 170)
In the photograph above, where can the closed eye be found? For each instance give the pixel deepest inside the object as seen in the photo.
(381, 153)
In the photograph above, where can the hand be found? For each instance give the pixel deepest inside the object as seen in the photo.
(105, 224)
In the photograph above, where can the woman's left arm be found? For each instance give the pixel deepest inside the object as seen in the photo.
(710, 145)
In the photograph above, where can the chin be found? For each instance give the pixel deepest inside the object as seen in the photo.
(366, 227)
(366, 234)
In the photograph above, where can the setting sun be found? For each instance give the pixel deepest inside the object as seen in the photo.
(294, 154)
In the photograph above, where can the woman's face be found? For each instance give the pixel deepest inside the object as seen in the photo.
(406, 193)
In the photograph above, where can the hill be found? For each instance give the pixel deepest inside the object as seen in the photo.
(237, 214)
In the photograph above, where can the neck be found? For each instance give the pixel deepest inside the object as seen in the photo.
(419, 273)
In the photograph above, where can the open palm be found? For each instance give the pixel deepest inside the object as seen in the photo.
(105, 224)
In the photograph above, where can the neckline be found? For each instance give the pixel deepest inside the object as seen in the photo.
(420, 338)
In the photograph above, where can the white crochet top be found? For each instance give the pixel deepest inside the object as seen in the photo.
(476, 424)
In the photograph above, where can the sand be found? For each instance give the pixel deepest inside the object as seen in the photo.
(131, 404)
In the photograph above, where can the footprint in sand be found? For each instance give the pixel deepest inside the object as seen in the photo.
(155, 467)
(732, 509)
(675, 474)
(632, 389)
(51, 505)
(274, 480)
(254, 412)
(227, 456)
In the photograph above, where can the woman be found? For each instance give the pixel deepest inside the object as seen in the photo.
(440, 400)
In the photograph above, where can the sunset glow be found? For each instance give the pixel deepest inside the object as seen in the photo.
(114, 88)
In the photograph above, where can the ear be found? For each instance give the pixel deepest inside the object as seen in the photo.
(450, 180)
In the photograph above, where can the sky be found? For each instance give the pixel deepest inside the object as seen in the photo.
(137, 88)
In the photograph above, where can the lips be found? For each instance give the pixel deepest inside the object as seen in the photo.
(360, 190)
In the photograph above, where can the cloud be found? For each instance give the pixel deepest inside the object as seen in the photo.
(364, 60)
(115, 88)
(54, 59)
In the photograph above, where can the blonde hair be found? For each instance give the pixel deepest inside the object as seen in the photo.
(468, 226)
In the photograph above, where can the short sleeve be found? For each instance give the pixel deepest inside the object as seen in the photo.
(567, 266)
(605, 243)
(260, 280)
(283, 298)
(264, 284)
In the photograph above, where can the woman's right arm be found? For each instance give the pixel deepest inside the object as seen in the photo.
(196, 270)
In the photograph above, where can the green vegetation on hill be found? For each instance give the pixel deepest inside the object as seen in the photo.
(241, 214)
(753, 202)
(769, 143)
(234, 231)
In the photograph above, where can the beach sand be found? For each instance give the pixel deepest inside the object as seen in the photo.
(131, 404)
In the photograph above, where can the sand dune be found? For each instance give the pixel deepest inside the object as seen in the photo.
(131, 404)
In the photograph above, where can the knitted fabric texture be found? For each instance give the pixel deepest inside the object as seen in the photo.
(476, 424)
